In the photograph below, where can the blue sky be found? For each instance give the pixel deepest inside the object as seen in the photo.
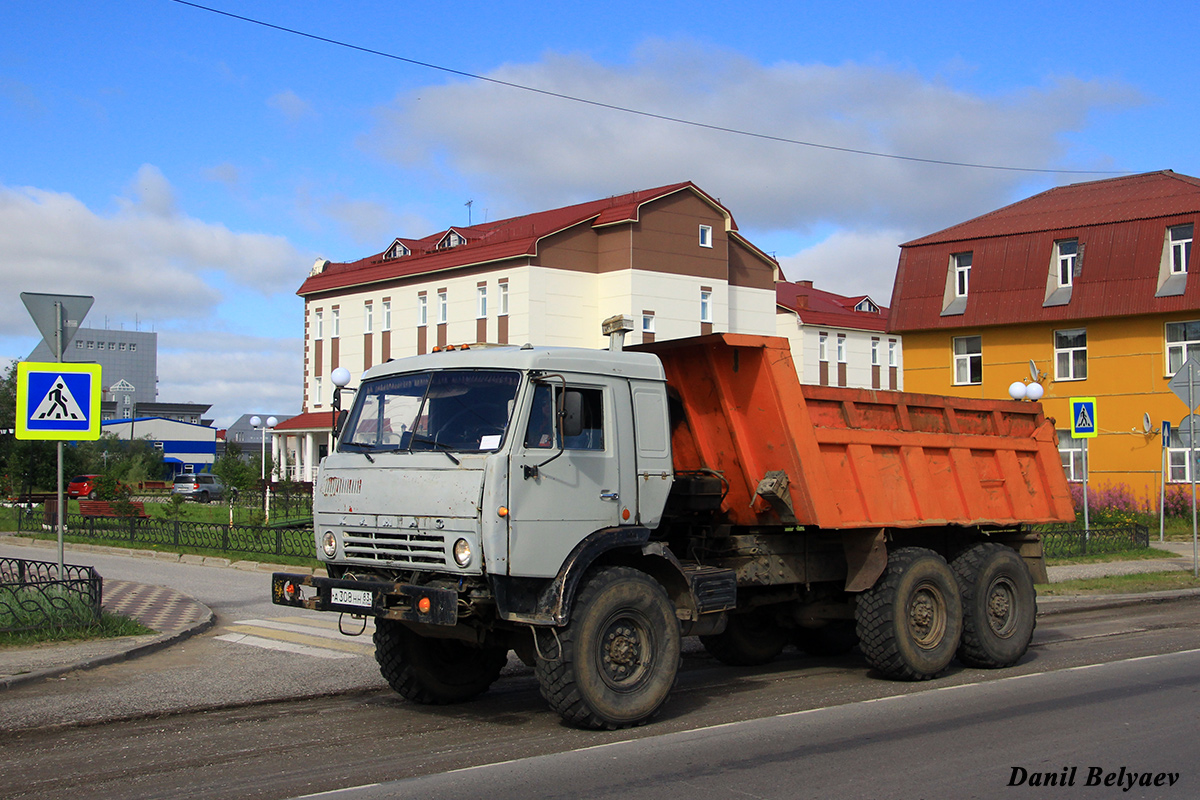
(186, 168)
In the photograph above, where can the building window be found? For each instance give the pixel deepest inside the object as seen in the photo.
(422, 311)
(1070, 355)
(822, 346)
(647, 322)
(705, 306)
(132, 347)
(1067, 252)
(318, 325)
(481, 306)
(866, 306)
(397, 250)
(1180, 237)
(1183, 342)
(968, 360)
(841, 348)
(962, 273)
(317, 391)
(706, 236)
(875, 353)
(368, 317)
(442, 309)
(892, 360)
(1071, 452)
(335, 322)
(503, 312)
(91, 344)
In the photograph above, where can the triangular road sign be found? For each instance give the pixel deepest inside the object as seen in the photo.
(58, 403)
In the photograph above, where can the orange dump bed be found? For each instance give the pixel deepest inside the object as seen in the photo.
(854, 458)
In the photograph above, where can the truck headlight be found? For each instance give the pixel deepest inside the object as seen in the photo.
(329, 544)
(462, 552)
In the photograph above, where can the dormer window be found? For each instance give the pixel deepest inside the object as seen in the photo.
(958, 284)
(1181, 247)
(397, 250)
(451, 239)
(1173, 268)
(866, 306)
(1067, 252)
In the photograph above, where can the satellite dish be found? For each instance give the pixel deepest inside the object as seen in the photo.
(1033, 371)
(1146, 426)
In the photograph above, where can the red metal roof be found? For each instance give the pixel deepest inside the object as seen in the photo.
(816, 307)
(310, 421)
(1145, 196)
(1120, 224)
(493, 241)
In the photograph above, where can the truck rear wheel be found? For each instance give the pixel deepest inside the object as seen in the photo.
(434, 671)
(910, 621)
(999, 605)
(614, 664)
(748, 640)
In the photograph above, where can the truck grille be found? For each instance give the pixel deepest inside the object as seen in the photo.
(407, 547)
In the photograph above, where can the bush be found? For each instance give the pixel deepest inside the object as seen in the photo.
(1110, 504)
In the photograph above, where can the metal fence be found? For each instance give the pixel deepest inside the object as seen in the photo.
(34, 596)
(180, 533)
(1066, 542)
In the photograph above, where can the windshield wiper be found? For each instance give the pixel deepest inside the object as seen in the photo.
(360, 447)
(426, 440)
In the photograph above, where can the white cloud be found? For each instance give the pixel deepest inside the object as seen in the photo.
(537, 151)
(850, 263)
(237, 374)
(145, 260)
(291, 105)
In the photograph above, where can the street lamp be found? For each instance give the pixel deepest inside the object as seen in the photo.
(256, 421)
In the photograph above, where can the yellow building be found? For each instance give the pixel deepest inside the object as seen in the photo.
(1090, 283)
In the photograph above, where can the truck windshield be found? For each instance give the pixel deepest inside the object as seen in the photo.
(465, 410)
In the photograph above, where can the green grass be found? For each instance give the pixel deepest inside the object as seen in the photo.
(1122, 584)
(110, 626)
(1134, 554)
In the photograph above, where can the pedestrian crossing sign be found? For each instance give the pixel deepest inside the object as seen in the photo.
(58, 401)
(1083, 417)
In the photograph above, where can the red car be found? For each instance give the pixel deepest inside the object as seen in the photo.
(82, 486)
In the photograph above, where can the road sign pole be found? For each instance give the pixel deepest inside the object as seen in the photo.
(62, 511)
(1087, 530)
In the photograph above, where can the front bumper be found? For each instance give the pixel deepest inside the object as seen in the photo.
(401, 601)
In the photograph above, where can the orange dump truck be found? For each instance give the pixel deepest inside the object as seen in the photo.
(587, 509)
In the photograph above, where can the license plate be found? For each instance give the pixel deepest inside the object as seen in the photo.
(351, 597)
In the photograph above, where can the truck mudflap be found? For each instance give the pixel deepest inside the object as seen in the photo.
(401, 601)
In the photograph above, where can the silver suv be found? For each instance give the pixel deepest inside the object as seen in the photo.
(200, 487)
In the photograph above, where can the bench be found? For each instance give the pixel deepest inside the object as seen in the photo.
(103, 508)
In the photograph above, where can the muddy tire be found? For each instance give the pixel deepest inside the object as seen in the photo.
(434, 671)
(999, 606)
(910, 621)
(833, 639)
(614, 664)
(748, 640)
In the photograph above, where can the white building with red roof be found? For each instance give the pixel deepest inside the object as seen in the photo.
(671, 258)
(838, 340)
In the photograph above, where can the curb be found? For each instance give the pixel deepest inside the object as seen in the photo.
(1068, 604)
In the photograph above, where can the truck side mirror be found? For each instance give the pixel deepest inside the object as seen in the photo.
(572, 424)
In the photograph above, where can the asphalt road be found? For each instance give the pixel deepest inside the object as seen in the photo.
(957, 737)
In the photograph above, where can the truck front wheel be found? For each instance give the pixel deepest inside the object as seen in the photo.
(614, 664)
(910, 621)
(999, 605)
(434, 671)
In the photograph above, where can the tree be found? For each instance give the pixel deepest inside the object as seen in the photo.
(233, 470)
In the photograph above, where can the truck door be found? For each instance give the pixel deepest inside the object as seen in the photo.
(563, 488)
